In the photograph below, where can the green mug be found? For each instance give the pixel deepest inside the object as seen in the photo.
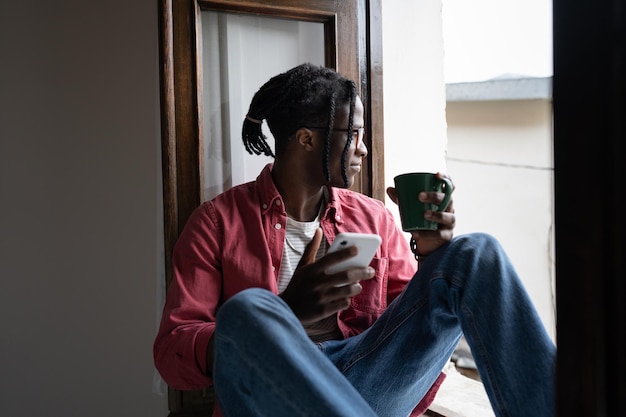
(408, 187)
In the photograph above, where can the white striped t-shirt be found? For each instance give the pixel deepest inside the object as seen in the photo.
(297, 237)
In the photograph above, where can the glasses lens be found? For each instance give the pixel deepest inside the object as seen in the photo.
(359, 133)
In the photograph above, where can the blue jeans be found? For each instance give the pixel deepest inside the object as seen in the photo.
(265, 365)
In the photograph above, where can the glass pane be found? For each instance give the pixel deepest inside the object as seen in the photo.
(239, 54)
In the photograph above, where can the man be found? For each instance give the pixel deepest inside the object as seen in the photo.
(252, 310)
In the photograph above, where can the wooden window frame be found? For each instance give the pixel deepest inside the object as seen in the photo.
(353, 46)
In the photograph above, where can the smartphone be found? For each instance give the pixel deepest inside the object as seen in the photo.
(366, 244)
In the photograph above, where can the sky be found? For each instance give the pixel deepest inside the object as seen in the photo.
(484, 39)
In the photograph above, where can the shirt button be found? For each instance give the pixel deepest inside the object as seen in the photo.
(277, 202)
(338, 217)
(278, 226)
(273, 268)
(264, 206)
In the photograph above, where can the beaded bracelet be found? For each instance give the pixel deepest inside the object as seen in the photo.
(419, 258)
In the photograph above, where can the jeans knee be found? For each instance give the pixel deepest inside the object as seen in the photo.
(479, 247)
(245, 305)
(255, 316)
(478, 257)
(478, 241)
(254, 305)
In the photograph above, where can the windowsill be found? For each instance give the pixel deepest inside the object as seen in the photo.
(460, 396)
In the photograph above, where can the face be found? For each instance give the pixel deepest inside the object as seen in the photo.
(356, 152)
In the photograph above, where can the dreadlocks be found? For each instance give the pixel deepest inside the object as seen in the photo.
(306, 95)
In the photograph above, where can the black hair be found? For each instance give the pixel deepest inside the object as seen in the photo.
(305, 96)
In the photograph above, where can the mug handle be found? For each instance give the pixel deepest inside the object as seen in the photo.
(446, 184)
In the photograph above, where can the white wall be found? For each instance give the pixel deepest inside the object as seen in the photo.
(420, 130)
(414, 89)
(500, 155)
(417, 129)
(79, 135)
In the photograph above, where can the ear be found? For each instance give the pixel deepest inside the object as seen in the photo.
(307, 138)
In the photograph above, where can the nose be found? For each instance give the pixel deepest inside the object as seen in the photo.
(361, 148)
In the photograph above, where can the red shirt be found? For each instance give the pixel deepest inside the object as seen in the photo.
(235, 241)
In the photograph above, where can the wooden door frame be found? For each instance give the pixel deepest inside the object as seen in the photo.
(353, 46)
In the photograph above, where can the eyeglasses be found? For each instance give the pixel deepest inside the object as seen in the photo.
(357, 134)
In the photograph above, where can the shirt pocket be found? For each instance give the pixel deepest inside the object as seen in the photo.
(373, 297)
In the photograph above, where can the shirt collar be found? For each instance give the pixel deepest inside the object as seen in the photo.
(268, 193)
(269, 196)
(333, 208)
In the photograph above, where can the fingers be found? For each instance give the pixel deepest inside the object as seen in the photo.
(446, 219)
(349, 277)
(342, 297)
(314, 294)
(333, 258)
(328, 296)
(343, 284)
(338, 297)
(427, 241)
(337, 293)
(329, 282)
(329, 309)
(444, 175)
(436, 198)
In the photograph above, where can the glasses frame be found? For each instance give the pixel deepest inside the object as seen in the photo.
(360, 132)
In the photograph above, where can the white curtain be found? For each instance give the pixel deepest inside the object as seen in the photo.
(239, 54)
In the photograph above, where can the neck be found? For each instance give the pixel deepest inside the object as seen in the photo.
(302, 200)
(303, 210)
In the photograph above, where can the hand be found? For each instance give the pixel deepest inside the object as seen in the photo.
(428, 241)
(313, 294)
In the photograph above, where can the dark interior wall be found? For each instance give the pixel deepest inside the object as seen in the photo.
(79, 159)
